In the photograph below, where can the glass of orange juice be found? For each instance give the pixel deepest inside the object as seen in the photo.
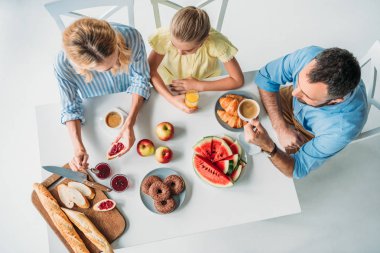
(192, 98)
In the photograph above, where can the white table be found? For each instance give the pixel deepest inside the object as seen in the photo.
(261, 193)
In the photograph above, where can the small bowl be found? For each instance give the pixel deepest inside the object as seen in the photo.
(119, 182)
(112, 117)
(248, 101)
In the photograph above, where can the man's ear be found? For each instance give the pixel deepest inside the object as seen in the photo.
(336, 101)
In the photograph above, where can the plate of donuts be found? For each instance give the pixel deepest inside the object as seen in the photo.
(162, 190)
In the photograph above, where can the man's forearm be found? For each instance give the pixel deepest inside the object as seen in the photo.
(137, 102)
(74, 128)
(272, 105)
(283, 162)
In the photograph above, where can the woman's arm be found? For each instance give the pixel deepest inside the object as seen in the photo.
(155, 60)
(79, 161)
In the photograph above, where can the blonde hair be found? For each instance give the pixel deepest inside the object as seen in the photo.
(88, 42)
(190, 24)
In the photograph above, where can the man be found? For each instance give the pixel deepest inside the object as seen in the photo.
(319, 114)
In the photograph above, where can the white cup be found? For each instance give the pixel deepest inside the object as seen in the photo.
(114, 118)
(245, 117)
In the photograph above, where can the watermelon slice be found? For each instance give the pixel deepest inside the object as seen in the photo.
(209, 173)
(203, 147)
(228, 139)
(220, 149)
(236, 174)
(225, 165)
(236, 148)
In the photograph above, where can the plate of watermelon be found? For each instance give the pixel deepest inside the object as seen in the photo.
(219, 161)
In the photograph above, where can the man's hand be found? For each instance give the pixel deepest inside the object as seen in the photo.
(179, 102)
(256, 134)
(129, 137)
(79, 161)
(182, 85)
(290, 138)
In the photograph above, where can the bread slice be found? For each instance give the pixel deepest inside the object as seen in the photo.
(81, 221)
(84, 189)
(68, 195)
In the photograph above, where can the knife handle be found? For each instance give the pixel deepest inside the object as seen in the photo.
(97, 186)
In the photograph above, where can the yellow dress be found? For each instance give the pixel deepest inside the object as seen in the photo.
(204, 63)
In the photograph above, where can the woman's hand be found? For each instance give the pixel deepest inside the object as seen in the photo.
(182, 85)
(79, 161)
(128, 135)
(179, 102)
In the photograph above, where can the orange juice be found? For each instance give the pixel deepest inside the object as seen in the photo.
(192, 98)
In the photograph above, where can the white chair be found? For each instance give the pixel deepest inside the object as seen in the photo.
(68, 8)
(373, 59)
(177, 7)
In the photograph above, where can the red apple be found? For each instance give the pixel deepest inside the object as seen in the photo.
(163, 154)
(165, 131)
(145, 147)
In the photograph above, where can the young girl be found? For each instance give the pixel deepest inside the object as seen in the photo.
(100, 58)
(189, 52)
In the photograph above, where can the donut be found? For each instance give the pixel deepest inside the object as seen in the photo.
(165, 206)
(175, 183)
(147, 182)
(159, 191)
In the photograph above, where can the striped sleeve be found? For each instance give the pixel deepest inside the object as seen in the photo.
(139, 73)
(71, 103)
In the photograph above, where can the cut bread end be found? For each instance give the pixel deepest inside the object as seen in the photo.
(84, 189)
(68, 194)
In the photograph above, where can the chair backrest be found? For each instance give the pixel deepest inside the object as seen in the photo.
(69, 8)
(176, 6)
(371, 60)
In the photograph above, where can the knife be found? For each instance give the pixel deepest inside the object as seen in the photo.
(76, 176)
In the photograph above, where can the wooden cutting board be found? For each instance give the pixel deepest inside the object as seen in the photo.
(111, 223)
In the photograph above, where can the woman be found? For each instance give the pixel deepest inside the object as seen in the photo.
(98, 59)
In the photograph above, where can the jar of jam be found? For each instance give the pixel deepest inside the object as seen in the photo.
(102, 170)
(119, 182)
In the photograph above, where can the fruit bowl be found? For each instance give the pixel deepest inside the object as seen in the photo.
(219, 161)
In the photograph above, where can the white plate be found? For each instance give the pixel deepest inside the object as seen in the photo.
(162, 173)
(243, 157)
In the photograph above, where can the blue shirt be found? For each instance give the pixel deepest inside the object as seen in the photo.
(73, 87)
(334, 126)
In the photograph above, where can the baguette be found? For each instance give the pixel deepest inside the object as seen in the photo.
(81, 221)
(60, 220)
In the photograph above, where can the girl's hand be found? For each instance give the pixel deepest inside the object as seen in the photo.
(182, 85)
(179, 102)
(129, 137)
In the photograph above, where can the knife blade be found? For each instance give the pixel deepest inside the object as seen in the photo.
(76, 176)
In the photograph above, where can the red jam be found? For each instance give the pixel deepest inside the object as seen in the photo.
(116, 148)
(119, 182)
(106, 205)
(104, 170)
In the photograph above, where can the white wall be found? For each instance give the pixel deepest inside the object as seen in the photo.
(29, 40)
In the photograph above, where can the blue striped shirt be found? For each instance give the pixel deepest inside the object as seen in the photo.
(73, 87)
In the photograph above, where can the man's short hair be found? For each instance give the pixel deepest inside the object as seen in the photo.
(337, 68)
